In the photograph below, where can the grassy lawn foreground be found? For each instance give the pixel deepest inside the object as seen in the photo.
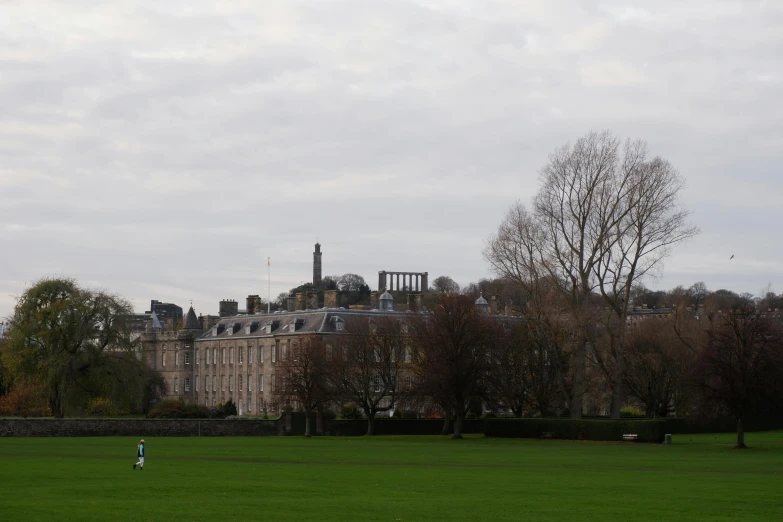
(700, 477)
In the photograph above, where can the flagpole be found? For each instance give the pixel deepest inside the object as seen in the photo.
(269, 285)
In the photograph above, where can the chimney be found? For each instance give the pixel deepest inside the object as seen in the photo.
(253, 305)
(228, 308)
(291, 301)
(312, 300)
(493, 305)
(330, 298)
(300, 301)
(373, 300)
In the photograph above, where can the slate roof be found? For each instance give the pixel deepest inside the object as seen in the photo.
(191, 321)
(321, 320)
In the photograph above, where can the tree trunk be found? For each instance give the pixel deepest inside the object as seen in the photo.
(445, 430)
(617, 400)
(740, 435)
(617, 395)
(577, 395)
(308, 428)
(370, 424)
(458, 425)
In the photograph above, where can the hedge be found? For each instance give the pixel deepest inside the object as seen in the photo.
(647, 430)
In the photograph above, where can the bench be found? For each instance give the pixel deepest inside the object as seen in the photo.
(548, 435)
(630, 437)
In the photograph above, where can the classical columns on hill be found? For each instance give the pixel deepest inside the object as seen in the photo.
(397, 281)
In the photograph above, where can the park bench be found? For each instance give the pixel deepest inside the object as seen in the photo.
(630, 437)
(548, 435)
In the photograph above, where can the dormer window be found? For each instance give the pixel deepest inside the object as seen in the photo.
(338, 323)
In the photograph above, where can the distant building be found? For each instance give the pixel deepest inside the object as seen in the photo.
(3, 328)
(166, 312)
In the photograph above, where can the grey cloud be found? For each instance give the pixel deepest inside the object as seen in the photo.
(165, 152)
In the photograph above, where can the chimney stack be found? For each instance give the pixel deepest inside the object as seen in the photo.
(253, 305)
(312, 300)
(330, 298)
(291, 303)
(300, 301)
(228, 308)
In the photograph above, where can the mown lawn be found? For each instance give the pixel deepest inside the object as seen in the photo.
(391, 478)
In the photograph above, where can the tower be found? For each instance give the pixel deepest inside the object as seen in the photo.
(317, 265)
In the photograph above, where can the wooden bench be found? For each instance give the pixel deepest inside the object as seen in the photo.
(548, 435)
(630, 437)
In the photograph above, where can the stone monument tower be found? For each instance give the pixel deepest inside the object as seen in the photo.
(317, 265)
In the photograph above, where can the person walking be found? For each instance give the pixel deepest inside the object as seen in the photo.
(140, 454)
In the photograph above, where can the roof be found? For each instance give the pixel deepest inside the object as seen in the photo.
(323, 320)
(191, 321)
(155, 322)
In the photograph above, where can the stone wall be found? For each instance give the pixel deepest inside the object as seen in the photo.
(136, 427)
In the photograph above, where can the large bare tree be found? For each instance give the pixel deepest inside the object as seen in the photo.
(604, 217)
(741, 364)
(302, 377)
(451, 355)
(367, 362)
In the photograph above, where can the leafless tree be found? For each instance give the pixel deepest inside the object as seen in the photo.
(445, 284)
(604, 217)
(302, 377)
(350, 283)
(656, 365)
(451, 357)
(367, 364)
(741, 365)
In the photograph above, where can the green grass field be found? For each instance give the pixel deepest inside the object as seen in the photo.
(699, 477)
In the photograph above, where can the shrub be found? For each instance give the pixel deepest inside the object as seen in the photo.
(100, 407)
(25, 400)
(471, 416)
(397, 414)
(489, 415)
(349, 411)
(179, 409)
(410, 414)
(651, 430)
(631, 411)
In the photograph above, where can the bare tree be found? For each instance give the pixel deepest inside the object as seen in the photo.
(350, 283)
(604, 217)
(367, 362)
(444, 284)
(451, 357)
(656, 365)
(741, 365)
(302, 376)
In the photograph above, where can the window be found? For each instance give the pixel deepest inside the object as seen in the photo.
(223, 356)
(214, 355)
(197, 356)
(273, 383)
(164, 357)
(275, 348)
(206, 383)
(222, 383)
(176, 384)
(261, 354)
(249, 355)
(241, 355)
(187, 358)
(408, 382)
(407, 354)
(230, 383)
(206, 402)
(213, 402)
(377, 381)
(260, 383)
(232, 354)
(214, 383)
(176, 358)
(187, 384)
(239, 383)
(197, 379)
(249, 383)
(249, 405)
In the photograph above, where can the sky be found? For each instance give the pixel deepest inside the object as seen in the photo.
(165, 150)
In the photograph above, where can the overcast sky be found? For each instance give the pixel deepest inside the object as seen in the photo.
(164, 150)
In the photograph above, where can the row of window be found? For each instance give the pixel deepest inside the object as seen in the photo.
(213, 381)
(249, 403)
